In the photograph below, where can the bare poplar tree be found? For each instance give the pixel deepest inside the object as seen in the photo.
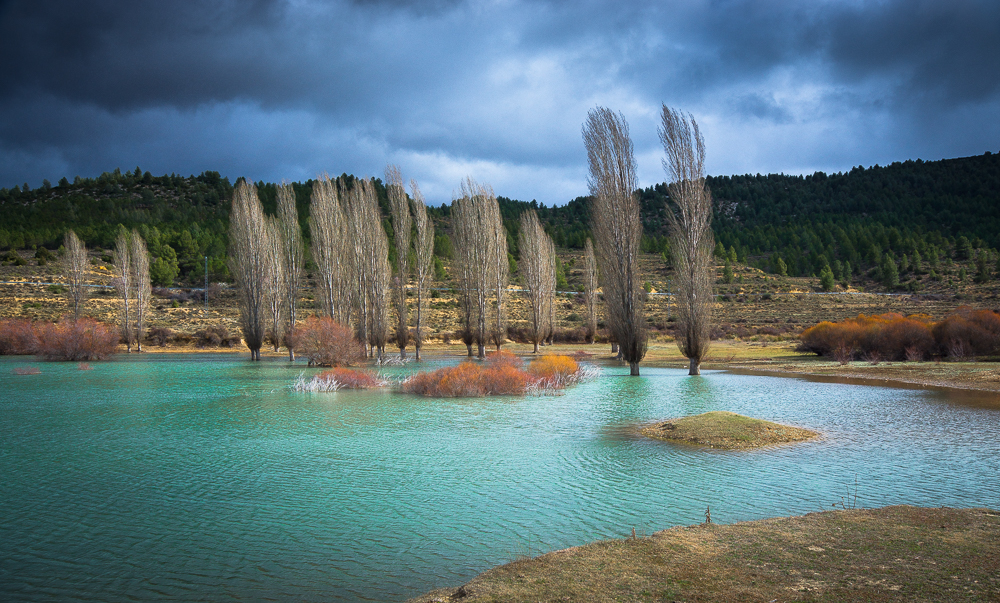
(123, 285)
(590, 289)
(691, 239)
(550, 291)
(533, 245)
(140, 279)
(425, 251)
(247, 262)
(482, 255)
(274, 281)
(401, 226)
(330, 250)
(292, 258)
(75, 266)
(617, 229)
(371, 270)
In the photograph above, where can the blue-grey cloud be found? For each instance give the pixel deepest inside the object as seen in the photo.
(277, 89)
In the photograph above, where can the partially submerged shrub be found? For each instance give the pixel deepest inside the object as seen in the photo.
(338, 378)
(326, 342)
(81, 339)
(352, 378)
(503, 373)
(17, 337)
(27, 370)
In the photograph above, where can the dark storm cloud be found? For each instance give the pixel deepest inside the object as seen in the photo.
(276, 89)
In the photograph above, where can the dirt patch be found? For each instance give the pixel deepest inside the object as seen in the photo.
(897, 553)
(727, 430)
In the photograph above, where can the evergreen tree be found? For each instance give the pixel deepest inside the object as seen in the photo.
(890, 273)
(826, 279)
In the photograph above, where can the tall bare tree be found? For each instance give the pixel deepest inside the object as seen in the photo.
(482, 256)
(691, 240)
(292, 258)
(248, 262)
(401, 227)
(425, 251)
(123, 285)
(590, 289)
(533, 246)
(617, 229)
(331, 250)
(140, 279)
(75, 266)
(371, 265)
(272, 239)
(549, 294)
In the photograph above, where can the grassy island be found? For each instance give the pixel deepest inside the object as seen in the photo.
(727, 430)
(897, 553)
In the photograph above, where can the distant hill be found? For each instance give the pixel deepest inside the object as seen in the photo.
(932, 210)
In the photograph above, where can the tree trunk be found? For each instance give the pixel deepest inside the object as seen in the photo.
(614, 348)
(291, 354)
(402, 353)
(695, 367)
(482, 350)
(633, 369)
(417, 354)
(469, 347)
(536, 348)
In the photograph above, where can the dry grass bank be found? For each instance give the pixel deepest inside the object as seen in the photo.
(897, 553)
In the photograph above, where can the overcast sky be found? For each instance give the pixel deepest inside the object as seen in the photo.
(497, 90)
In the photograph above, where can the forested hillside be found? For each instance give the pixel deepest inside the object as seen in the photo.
(913, 214)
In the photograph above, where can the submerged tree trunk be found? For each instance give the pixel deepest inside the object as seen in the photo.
(633, 369)
(291, 354)
(695, 367)
(482, 350)
(468, 346)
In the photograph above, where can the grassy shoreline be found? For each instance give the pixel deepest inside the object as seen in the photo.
(898, 553)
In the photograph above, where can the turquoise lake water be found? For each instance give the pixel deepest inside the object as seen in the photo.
(205, 478)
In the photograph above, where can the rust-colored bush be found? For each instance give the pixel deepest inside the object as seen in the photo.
(501, 374)
(81, 339)
(968, 333)
(17, 337)
(895, 337)
(351, 378)
(326, 342)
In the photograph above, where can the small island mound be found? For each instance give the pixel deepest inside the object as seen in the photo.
(727, 430)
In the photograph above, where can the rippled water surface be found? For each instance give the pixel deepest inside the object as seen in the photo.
(206, 478)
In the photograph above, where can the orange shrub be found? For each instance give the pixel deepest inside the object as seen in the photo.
(351, 379)
(326, 342)
(17, 337)
(897, 337)
(553, 369)
(501, 374)
(81, 339)
(968, 332)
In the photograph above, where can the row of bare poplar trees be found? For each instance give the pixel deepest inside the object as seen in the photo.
(131, 282)
(351, 252)
(618, 229)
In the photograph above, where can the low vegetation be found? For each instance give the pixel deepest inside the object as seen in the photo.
(897, 553)
(68, 339)
(502, 373)
(727, 430)
(325, 342)
(895, 337)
